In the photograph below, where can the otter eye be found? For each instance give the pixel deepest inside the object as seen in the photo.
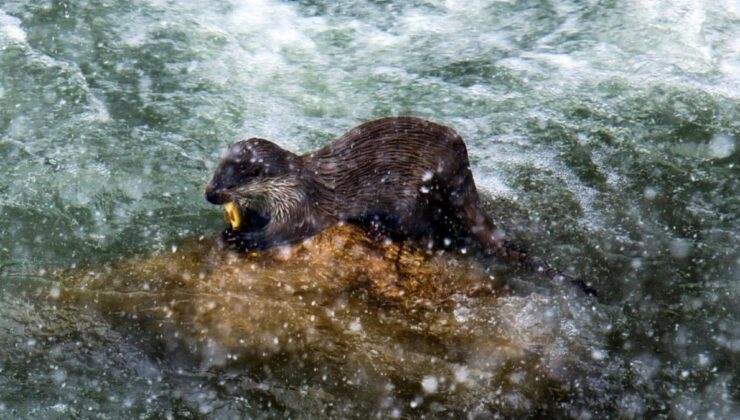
(248, 171)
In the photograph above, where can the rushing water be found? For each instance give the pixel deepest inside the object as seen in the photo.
(604, 135)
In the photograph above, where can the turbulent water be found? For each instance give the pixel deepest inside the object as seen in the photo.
(603, 134)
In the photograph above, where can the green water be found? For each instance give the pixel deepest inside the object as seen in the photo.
(604, 134)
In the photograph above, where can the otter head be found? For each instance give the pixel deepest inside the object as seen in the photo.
(259, 178)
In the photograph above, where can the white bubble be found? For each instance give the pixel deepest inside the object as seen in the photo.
(54, 292)
(517, 377)
(680, 248)
(645, 366)
(721, 146)
(59, 376)
(703, 359)
(355, 326)
(427, 176)
(430, 384)
(132, 188)
(631, 406)
(597, 354)
(59, 407)
(499, 234)
(462, 373)
(462, 314)
(650, 193)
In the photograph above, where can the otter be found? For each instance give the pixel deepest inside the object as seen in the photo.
(403, 178)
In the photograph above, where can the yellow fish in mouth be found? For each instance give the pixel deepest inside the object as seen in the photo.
(231, 212)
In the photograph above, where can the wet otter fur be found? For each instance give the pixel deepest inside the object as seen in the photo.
(405, 177)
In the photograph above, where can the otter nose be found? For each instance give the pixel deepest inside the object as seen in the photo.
(216, 196)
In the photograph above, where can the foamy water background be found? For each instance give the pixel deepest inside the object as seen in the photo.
(606, 135)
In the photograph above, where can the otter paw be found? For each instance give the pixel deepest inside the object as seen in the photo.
(232, 238)
(228, 234)
(240, 240)
(377, 232)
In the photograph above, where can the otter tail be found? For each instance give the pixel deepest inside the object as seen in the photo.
(505, 248)
(486, 233)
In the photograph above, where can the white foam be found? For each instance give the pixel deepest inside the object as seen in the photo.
(721, 146)
(10, 28)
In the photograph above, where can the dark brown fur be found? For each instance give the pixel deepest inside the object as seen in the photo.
(406, 177)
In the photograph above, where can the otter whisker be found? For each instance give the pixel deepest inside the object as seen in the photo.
(277, 197)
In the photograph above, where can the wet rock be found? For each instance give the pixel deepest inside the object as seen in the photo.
(341, 324)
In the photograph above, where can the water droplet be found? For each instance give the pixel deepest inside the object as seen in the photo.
(462, 374)
(429, 384)
(598, 354)
(355, 326)
(462, 314)
(650, 193)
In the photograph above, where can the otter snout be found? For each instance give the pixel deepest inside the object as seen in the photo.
(217, 196)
